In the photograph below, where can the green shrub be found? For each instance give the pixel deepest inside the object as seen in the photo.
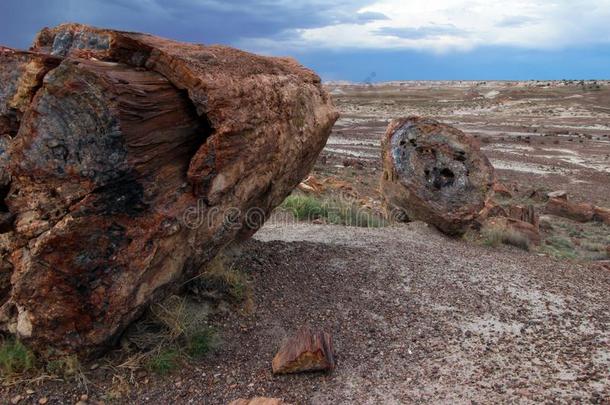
(164, 361)
(305, 208)
(15, 358)
(201, 343)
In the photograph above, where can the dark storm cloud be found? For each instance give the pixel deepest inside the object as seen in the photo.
(430, 31)
(195, 20)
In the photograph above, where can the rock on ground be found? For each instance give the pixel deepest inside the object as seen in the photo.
(434, 173)
(136, 160)
(306, 351)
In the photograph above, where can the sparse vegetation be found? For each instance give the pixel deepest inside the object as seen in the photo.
(584, 241)
(15, 358)
(331, 210)
(559, 247)
(171, 333)
(496, 235)
(220, 280)
(66, 366)
(164, 361)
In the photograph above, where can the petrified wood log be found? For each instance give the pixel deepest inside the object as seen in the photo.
(135, 162)
(561, 207)
(306, 351)
(434, 173)
(264, 111)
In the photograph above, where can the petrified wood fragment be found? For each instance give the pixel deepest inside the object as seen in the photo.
(434, 173)
(602, 214)
(21, 74)
(525, 213)
(561, 207)
(136, 161)
(306, 351)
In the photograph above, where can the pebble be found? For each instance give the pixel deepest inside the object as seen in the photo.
(43, 400)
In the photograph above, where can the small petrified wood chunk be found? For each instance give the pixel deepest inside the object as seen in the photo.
(434, 173)
(306, 351)
(525, 213)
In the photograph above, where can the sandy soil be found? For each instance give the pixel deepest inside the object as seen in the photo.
(416, 317)
(538, 135)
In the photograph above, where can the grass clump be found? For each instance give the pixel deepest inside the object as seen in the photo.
(331, 210)
(494, 235)
(201, 343)
(164, 361)
(305, 208)
(15, 358)
(171, 334)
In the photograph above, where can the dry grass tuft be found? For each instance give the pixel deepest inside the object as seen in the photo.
(494, 235)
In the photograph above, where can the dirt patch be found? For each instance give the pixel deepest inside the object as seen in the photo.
(416, 317)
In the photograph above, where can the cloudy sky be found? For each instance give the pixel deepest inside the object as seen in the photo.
(361, 39)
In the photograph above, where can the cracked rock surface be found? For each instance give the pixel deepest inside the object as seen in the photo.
(127, 162)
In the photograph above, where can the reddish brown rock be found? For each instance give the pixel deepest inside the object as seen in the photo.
(434, 173)
(265, 112)
(602, 215)
(490, 210)
(525, 213)
(131, 172)
(259, 401)
(306, 351)
(563, 208)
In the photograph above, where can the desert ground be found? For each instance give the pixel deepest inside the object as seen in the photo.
(538, 135)
(416, 316)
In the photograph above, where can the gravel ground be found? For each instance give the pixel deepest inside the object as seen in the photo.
(416, 317)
